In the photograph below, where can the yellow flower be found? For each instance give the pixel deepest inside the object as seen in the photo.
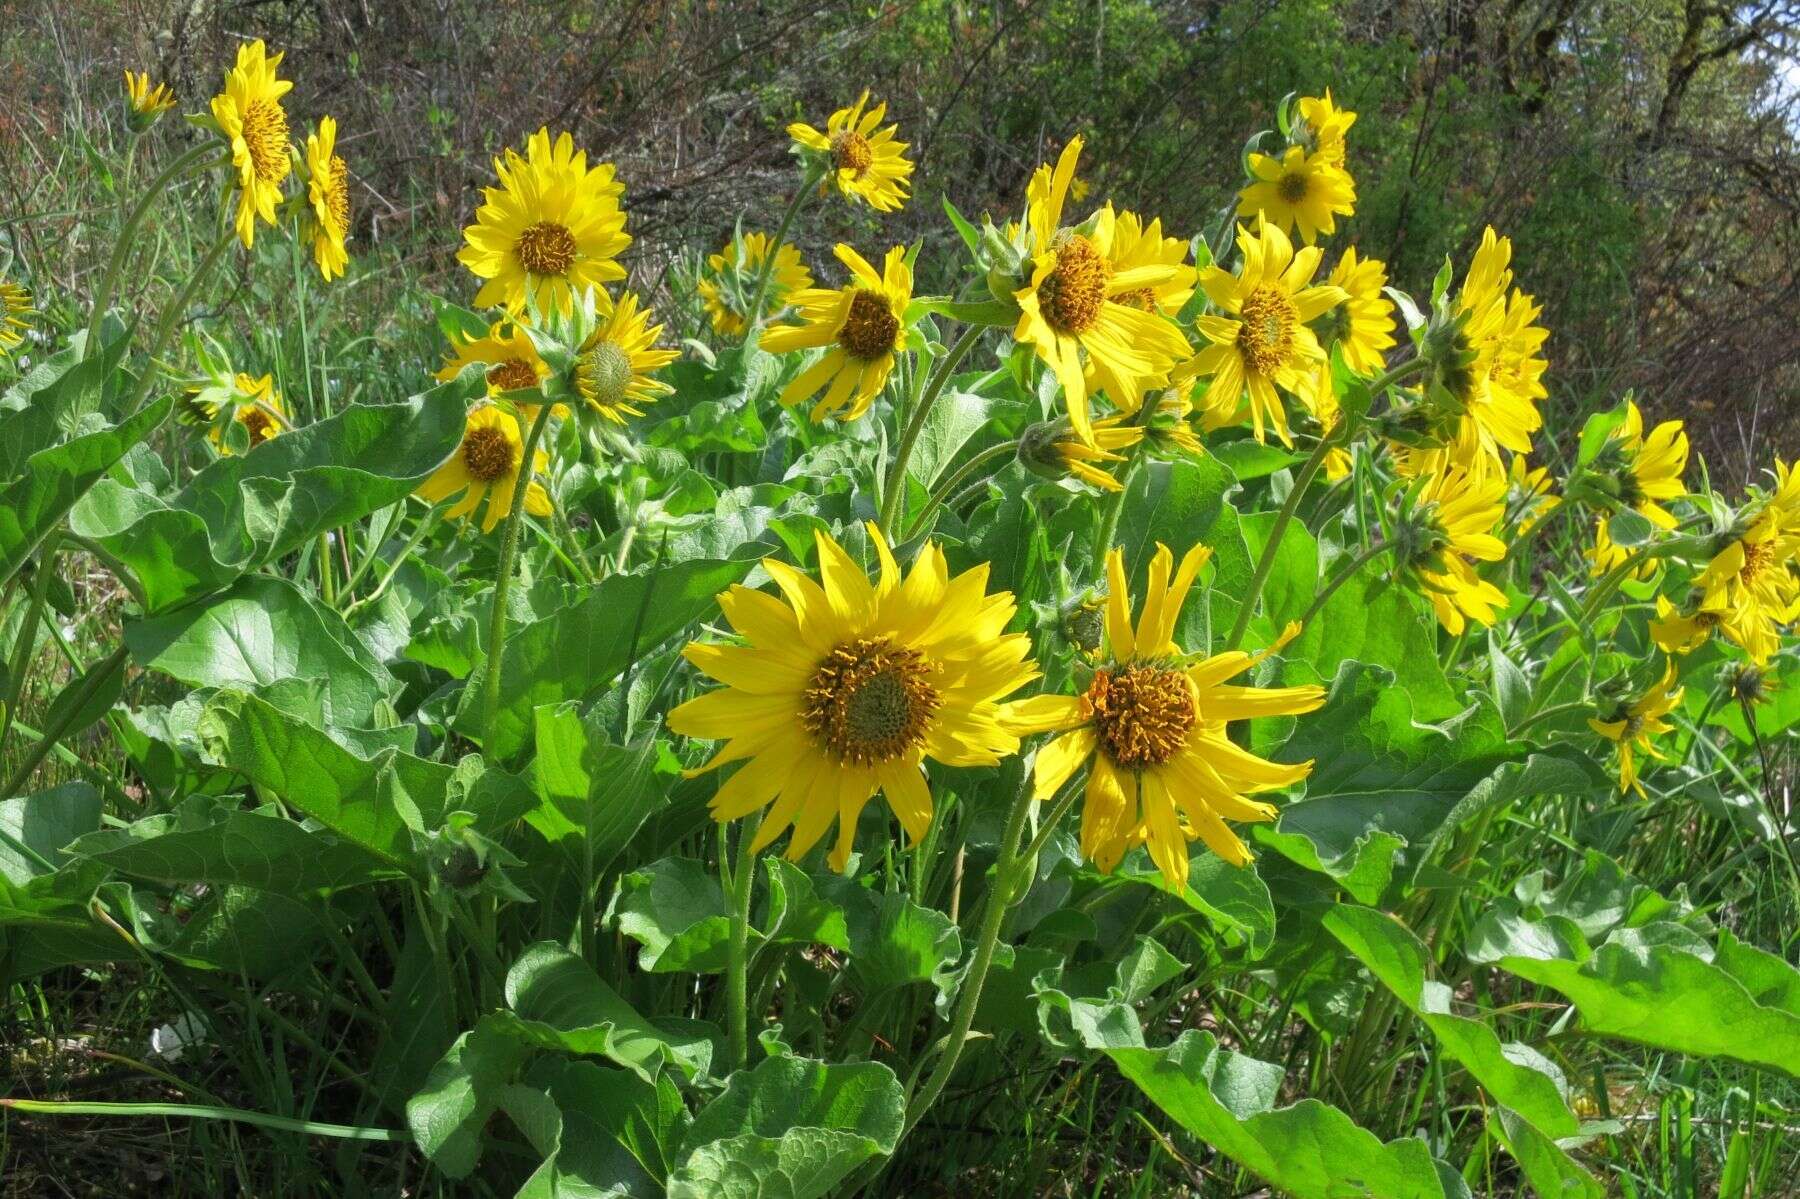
(1262, 341)
(1091, 462)
(1073, 305)
(1152, 728)
(1751, 586)
(486, 467)
(1677, 632)
(552, 229)
(250, 116)
(1499, 378)
(1528, 493)
(1631, 726)
(862, 161)
(328, 193)
(1298, 190)
(1456, 512)
(613, 369)
(864, 323)
(1365, 322)
(144, 104)
(730, 288)
(848, 686)
(1134, 245)
(15, 307)
(254, 404)
(1643, 469)
(1321, 401)
(1325, 126)
(512, 362)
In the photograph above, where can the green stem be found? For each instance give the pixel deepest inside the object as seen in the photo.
(128, 234)
(993, 916)
(767, 271)
(1775, 816)
(943, 490)
(1347, 571)
(91, 683)
(1063, 804)
(26, 646)
(743, 879)
(1266, 563)
(1109, 516)
(49, 1107)
(426, 523)
(509, 547)
(895, 490)
(1536, 718)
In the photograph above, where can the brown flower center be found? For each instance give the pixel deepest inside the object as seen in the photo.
(1757, 557)
(488, 454)
(1075, 291)
(870, 701)
(515, 374)
(850, 151)
(1269, 319)
(1292, 187)
(1143, 299)
(1142, 714)
(869, 330)
(257, 423)
(545, 248)
(337, 196)
(266, 137)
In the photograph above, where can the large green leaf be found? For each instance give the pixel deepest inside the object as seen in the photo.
(557, 1001)
(894, 942)
(1232, 898)
(1372, 620)
(237, 930)
(1658, 984)
(45, 823)
(676, 911)
(791, 1128)
(1093, 1005)
(44, 920)
(377, 802)
(246, 510)
(595, 794)
(263, 631)
(460, 1094)
(1181, 504)
(57, 400)
(1309, 1149)
(209, 841)
(574, 654)
(56, 477)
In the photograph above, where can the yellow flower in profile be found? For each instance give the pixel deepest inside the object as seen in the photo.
(1325, 126)
(553, 229)
(486, 467)
(145, 104)
(1152, 728)
(1092, 462)
(614, 367)
(1134, 245)
(509, 358)
(1644, 470)
(1678, 632)
(15, 308)
(1321, 402)
(1262, 341)
(861, 160)
(1497, 375)
(1365, 322)
(1528, 495)
(250, 116)
(844, 687)
(730, 287)
(328, 194)
(254, 404)
(864, 323)
(1631, 726)
(1751, 585)
(1298, 190)
(1451, 527)
(1073, 306)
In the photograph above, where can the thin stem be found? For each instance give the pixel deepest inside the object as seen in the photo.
(171, 314)
(1775, 817)
(49, 1107)
(951, 482)
(743, 879)
(1266, 563)
(427, 523)
(27, 642)
(893, 494)
(1063, 803)
(767, 271)
(128, 234)
(1109, 516)
(91, 683)
(509, 548)
(1518, 730)
(1345, 572)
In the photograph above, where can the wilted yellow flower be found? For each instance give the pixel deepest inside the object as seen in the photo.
(144, 104)
(729, 289)
(1644, 470)
(487, 467)
(862, 161)
(1450, 527)
(553, 228)
(1631, 726)
(614, 368)
(1151, 727)
(250, 116)
(864, 323)
(15, 307)
(1298, 190)
(1092, 462)
(511, 359)
(1262, 340)
(328, 196)
(847, 687)
(1072, 309)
